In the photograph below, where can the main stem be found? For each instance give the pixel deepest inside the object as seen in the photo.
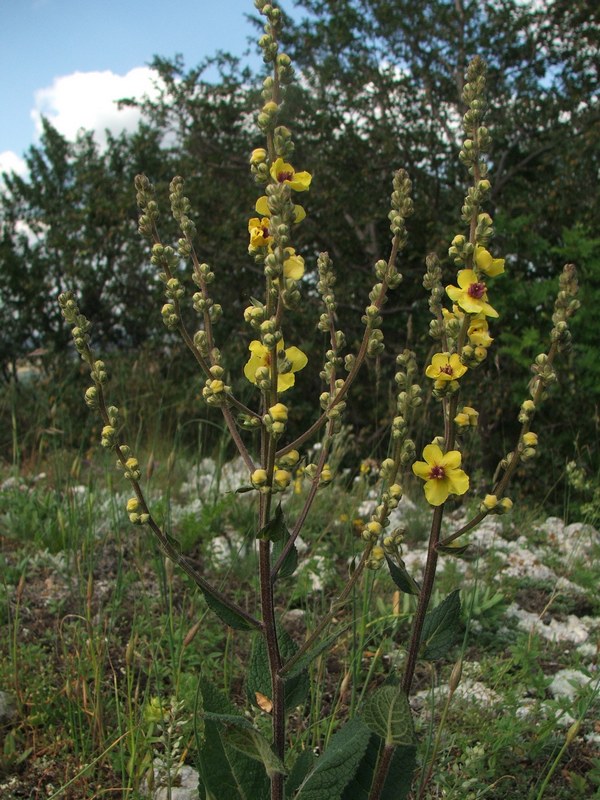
(385, 759)
(274, 656)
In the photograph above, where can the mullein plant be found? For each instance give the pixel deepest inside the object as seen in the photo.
(373, 755)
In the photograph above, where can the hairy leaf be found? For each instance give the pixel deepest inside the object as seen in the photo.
(399, 780)
(336, 767)
(401, 577)
(259, 680)
(226, 773)
(441, 627)
(388, 714)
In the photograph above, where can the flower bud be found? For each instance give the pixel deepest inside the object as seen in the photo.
(281, 479)
(530, 439)
(279, 412)
(259, 478)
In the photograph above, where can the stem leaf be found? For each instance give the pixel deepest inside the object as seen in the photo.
(387, 713)
(290, 562)
(441, 627)
(338, 764)
(228, 615)
(259, 680)
(401, 577)
(275, 530)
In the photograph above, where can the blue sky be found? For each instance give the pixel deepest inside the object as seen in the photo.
(68, 58)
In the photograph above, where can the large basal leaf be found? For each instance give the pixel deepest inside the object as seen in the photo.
(387, 713)
(334, 770)
(401, 577)
(399, 779)
(259, 680)
(441, 627)
(225, 772)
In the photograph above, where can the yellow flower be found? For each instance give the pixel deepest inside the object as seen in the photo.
(281, 172)
(470, 294)
(487, 263)
(262, 208)
(259, 232)
(530, 439)
(258, 155)
(478, 332)
(445, 367)
(441, 474)
(261, 357)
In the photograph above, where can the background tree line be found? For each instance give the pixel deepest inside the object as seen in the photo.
(380, 88)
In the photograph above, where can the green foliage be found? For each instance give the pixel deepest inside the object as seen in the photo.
(225, 771)
(259, 681)
(337, 766)
(387, 714)
(441, 627)
(400, 777)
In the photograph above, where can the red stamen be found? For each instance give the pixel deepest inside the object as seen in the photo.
(284, 176)
(447, 369)
(476, 290)
(437, 473)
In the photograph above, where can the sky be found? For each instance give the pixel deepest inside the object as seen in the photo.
(70, 59)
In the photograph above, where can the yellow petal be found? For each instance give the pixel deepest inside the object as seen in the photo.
(285, 381)
(458, 481)
(301, 181)
(257, 347)
(436, 492)
(293, 268)
(299, 214)
(297, 358)
(450, 460)
(432, 455)
(262, 206)
(466, 277)
(421, 470)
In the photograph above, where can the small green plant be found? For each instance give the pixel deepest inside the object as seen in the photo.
(372, 756)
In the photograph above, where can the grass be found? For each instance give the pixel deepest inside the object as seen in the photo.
(101, 642)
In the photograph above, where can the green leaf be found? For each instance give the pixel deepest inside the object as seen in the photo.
(450, 550)
(387, 713)
(239, 733)
(401, 577)
(400, 776)
(228, 615)
(441, 627)
(302, 766)
(290, 562)
(336, 767)
(259, 676)
(226, 773)
(275, 529)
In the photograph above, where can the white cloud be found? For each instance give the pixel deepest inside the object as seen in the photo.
(88, 100)
(11, 162)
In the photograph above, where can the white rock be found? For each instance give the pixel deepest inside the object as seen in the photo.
(567, 683)
(184, 786)
(574, 630)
